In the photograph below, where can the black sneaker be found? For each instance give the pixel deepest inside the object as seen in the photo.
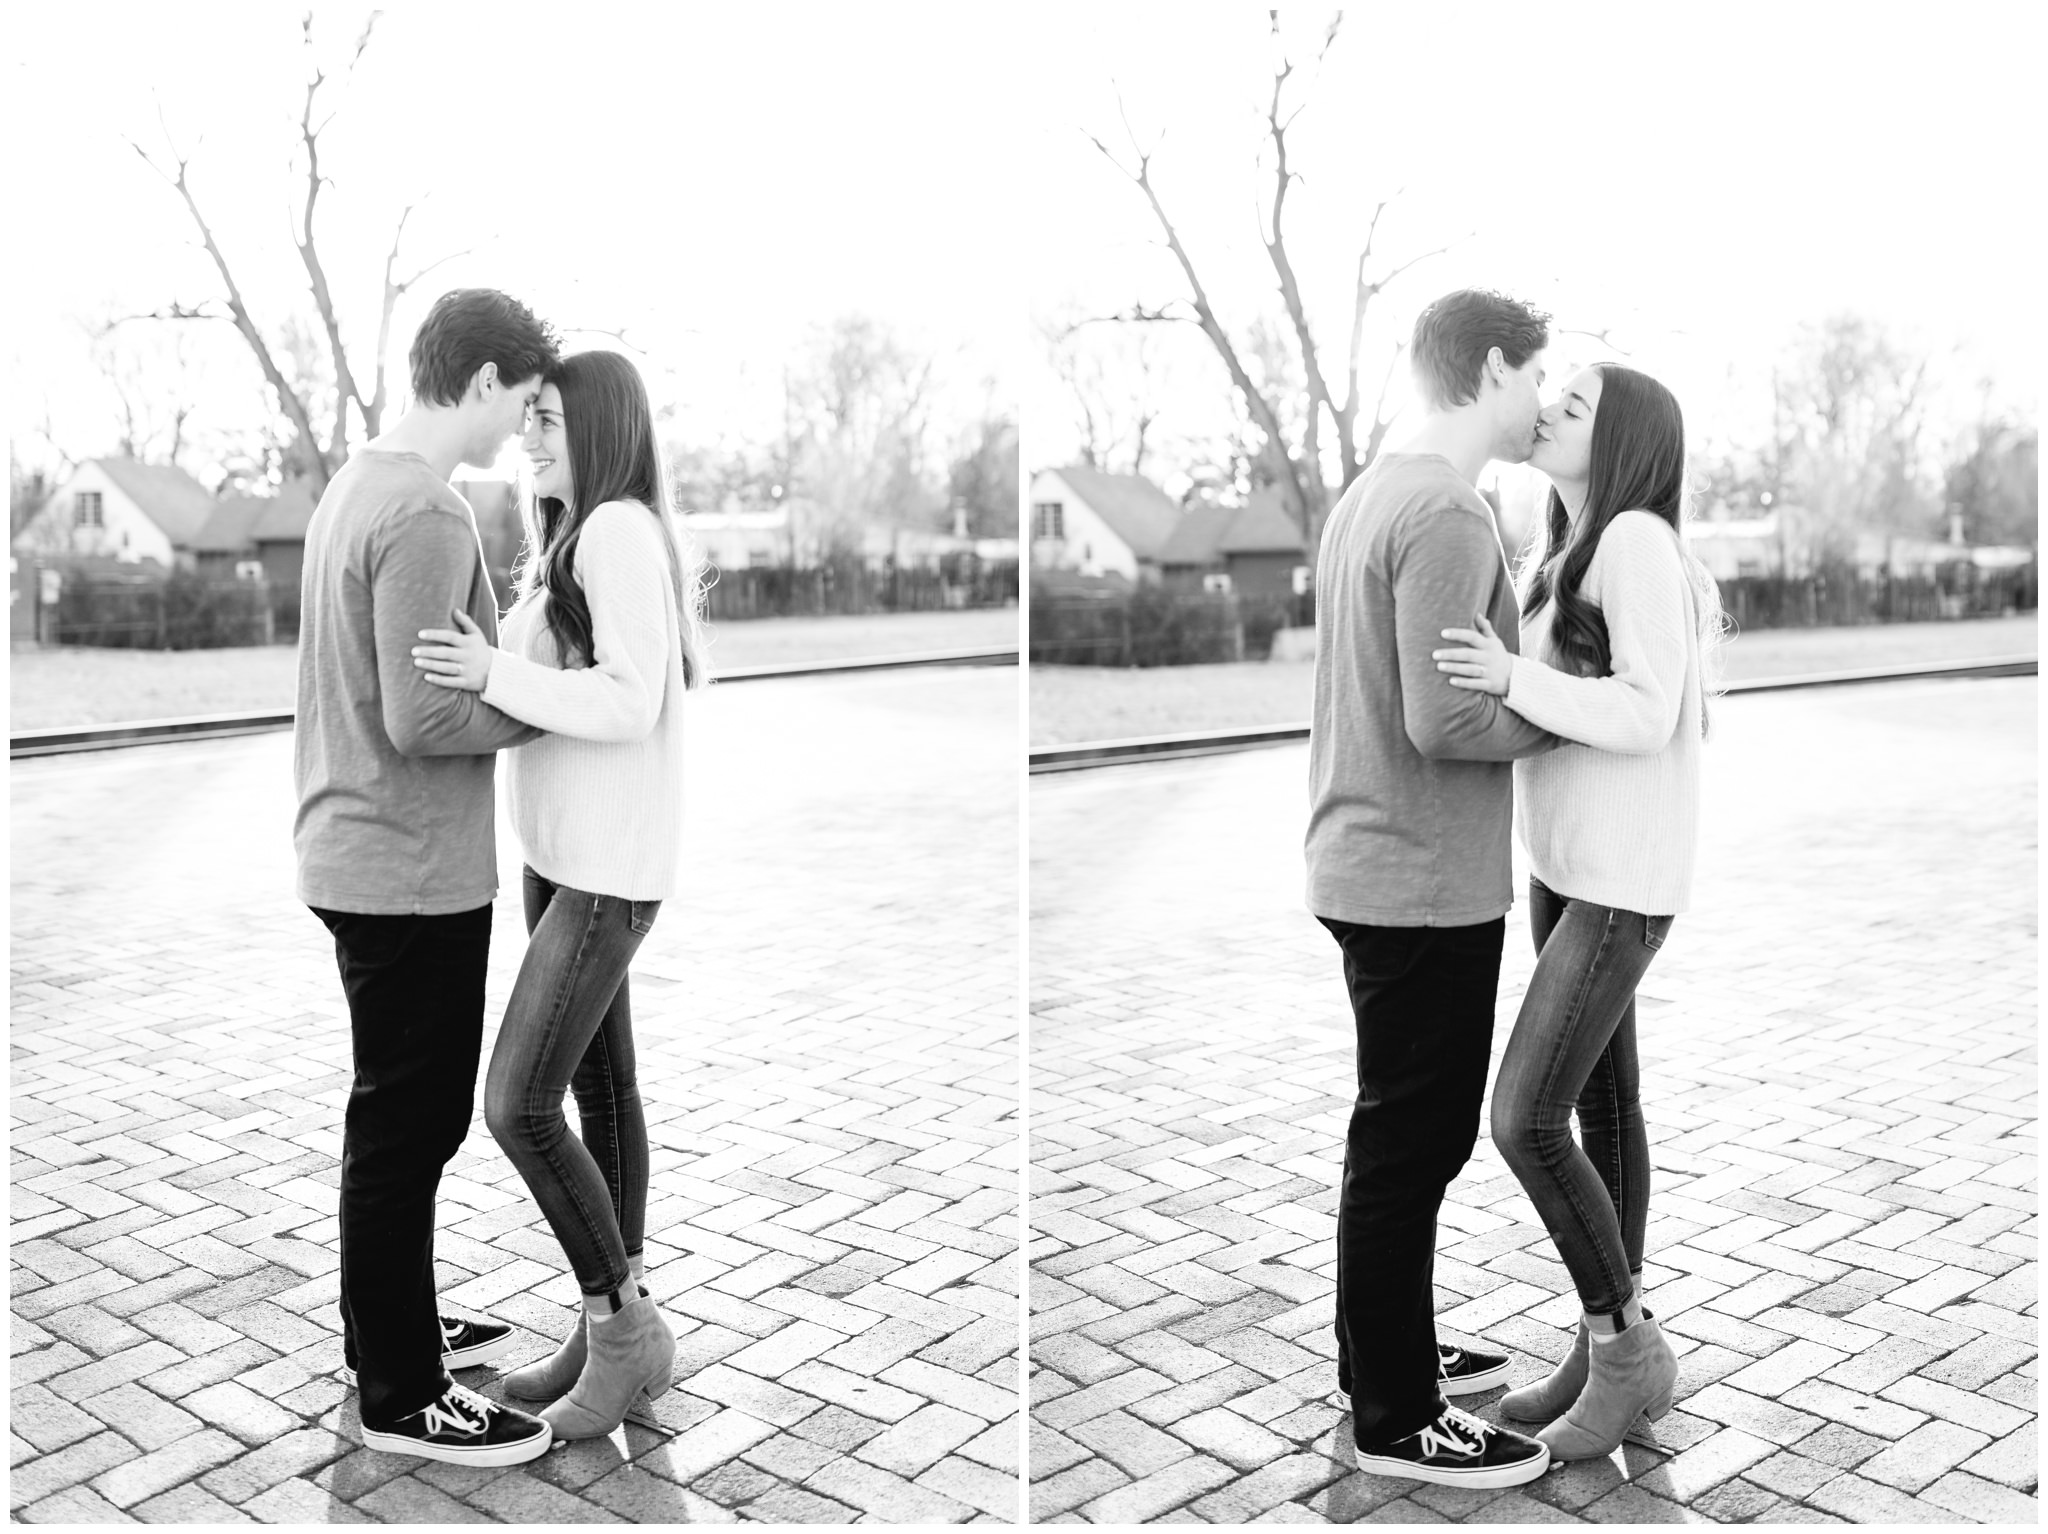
(464, 1343)
(1466, 1371)
(1459, 1450)
(463, 1428)
(1462, 1371)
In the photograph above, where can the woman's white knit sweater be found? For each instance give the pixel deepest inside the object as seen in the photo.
(1612, 815)
(598, 801)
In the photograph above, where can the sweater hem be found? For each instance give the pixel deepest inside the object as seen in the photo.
(1405, 916)
(360, 903)
(1575, 887)
(569, 877)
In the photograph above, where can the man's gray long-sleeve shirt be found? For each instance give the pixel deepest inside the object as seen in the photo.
(1411, 798)
(394, 774)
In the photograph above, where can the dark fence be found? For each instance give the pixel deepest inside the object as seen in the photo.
(181, 611)
(1154, 626)
(1840, 596)
(849, 586)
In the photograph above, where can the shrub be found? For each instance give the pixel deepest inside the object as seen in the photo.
(179, 611)
(1150, 626)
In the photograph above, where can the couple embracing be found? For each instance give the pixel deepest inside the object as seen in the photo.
(1444, 701)
(408, 687)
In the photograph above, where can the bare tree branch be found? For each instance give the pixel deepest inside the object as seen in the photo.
(1279, 465)
(238, 310)
(171, 312)
(345, 388)
(1603, 336)
(1312, 496)
(1137, 314)
(394, 289)
(1377, 432)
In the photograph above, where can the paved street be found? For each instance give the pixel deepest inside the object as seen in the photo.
(827, 1026)
(1839, 1077)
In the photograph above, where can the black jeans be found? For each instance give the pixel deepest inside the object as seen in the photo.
(415, 987)
(1422, 999)
(570, 1024)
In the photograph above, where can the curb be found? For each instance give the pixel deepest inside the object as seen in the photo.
(1160, 748)
(149, 732)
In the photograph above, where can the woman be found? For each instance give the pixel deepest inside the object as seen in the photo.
(605, 636)
(1617, 618)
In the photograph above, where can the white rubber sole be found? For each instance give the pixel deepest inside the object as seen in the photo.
(480, 1352)
(1475, 1384)
(462, 1358)
(486, 1455)
(1483, 1479)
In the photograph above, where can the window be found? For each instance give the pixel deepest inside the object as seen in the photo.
(1217, 581)
(86, 509)
(1048, 519)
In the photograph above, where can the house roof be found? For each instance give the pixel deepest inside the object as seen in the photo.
(1208, 534)
(1262, 526)
(168, 496)
(1137, 510)
(285, 515)
(227, 530)
(1196, 536)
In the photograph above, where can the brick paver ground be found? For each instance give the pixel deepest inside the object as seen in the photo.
(827, 1025)
(1839, 1079)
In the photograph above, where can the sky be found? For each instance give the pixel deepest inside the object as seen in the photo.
(715, 182)
(1699, 185)
(712, 182)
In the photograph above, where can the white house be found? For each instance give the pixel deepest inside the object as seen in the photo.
(123, 509)
(1737, 547)
(1096, 523)
(735, 539)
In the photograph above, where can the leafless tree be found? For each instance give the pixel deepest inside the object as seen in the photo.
(861, 407)
(1291, 461)
(152, 389)
(1850, 410)
(347, 383)
(1117, 400)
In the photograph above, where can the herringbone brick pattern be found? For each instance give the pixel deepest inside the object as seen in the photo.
(1838, 1075)
(827, 1025)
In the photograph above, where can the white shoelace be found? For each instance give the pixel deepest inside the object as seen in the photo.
(1443, 1435)
(446, 1413)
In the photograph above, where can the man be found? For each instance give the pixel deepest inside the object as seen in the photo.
(1410, 814)
(397, 855)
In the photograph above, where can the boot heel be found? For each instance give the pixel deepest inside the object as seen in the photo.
(642, 1412)
(1659, 1407)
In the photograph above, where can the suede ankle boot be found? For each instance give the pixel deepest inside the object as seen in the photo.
(1549, 1399)
(630, 1354)
(1629, 1376)
(549, 1379)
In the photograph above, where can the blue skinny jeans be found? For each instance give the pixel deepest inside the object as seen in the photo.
(570, 1025)
(1574, 1047)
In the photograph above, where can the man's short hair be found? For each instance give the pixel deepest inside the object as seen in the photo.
(467, 328)
(1454, 334)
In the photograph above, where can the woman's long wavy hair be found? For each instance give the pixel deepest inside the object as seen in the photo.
(613, 456)
(1637, 464)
